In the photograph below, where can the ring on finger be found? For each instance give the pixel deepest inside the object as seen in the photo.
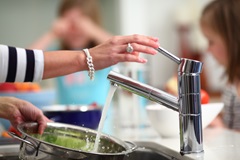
(129, 48)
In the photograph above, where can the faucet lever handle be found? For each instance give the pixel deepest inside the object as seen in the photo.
(169, 55)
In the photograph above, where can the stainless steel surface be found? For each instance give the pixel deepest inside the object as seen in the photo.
(190, 113)
(188, 102)
(74, 144)
(144, 90)
(167, 152)
(147, 154)
(9, 158)
(9, 147)
(169, 55)
(10, 150)
(20, 139)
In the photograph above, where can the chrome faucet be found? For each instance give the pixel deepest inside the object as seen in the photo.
(188, 102)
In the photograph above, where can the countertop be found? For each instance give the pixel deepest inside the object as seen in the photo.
(219, 143)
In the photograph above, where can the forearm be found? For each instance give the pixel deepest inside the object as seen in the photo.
(20, 65)
(44, 42)
(59, 63)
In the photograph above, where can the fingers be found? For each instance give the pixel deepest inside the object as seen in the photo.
(42, 122)
(137, 48)
(130, 58)
(139, 39)
(41, 128)
(115, 49)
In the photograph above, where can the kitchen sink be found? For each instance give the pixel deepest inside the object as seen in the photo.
(145, 151)
(143, 154)
(9, 158)
(147, 154)
(9, 149)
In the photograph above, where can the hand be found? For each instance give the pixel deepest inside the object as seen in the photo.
(84, 26)
(95, 32)
(18, 111)
(113, 51)
(60, 27)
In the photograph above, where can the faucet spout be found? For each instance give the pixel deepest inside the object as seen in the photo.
(188, 102)
(144, 90)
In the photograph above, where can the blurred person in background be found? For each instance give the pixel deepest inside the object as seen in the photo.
(220, 23)
(24, 65)
(77, 26)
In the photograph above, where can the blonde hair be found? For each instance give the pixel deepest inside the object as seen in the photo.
(89, 8)
(223, 17)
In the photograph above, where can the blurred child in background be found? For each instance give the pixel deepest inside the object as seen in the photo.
(77, 26)
(220, 23)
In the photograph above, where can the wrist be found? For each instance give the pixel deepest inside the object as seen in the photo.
(90, 65)
(81, 61)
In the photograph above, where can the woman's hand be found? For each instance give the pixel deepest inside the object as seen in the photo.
(111, 52)
(114, 51)
(18, 111)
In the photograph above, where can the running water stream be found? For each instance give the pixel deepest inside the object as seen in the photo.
(104, 115)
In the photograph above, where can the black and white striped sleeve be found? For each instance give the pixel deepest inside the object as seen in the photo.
(20, 65)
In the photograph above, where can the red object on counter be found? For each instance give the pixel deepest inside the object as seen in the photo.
(204, 97)
(12, 129)
(7, 87)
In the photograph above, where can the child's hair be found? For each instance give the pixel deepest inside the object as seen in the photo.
(223, 17)
(89, 8)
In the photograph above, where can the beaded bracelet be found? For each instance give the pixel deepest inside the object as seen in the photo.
(90, 64)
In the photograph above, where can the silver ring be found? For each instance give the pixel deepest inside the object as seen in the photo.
(129, 48)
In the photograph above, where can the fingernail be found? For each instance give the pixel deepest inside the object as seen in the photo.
(156, 38)
(154, 51)
(142, 60)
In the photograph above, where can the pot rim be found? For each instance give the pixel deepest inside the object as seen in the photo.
(124, 144)
(71, 108)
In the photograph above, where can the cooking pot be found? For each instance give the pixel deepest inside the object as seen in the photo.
(80, 115)
(63, 141)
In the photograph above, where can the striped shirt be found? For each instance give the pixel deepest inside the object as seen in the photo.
(20, 65)
(231, 112)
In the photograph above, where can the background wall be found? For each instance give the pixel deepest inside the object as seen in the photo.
(22, 22)
(159, 18)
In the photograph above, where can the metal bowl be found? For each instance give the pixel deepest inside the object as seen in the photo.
(63, 141)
